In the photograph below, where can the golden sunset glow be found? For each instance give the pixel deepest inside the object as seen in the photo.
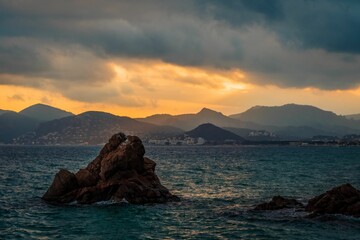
(140, 88)
(137, 59)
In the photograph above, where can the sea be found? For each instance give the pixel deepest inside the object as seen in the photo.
(218, 186)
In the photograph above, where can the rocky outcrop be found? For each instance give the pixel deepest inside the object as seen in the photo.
(120, 172)
(344, 199)
(279, 202)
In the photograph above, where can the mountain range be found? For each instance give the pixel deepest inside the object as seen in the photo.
(43, 124)
(299, 121)
(290, 121)
(189, 121)
(92, 128)
(294, 115)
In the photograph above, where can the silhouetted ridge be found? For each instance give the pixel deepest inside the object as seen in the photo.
(192, 120)
(209, 112)
(293, 115)
(43, 113)
(4, 111)
(211, 132)
(93, 127)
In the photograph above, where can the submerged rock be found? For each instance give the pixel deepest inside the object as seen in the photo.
(120, 172)
(344, 199)
(279, 202)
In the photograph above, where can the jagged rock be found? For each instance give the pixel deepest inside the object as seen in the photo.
(344, 199)
(279, 202)
(64, 182)
(120, 172)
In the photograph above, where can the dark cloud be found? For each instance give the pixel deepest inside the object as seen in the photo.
(241, 12)
(325, 24)
(295, 43)
(15, 58)
(49, 60)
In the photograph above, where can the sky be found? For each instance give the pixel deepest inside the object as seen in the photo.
(138, 58)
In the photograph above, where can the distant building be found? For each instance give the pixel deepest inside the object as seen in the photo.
(200, 141)
(178, 141)
(261, 133)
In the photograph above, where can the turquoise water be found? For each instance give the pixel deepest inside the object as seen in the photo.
(218, 187)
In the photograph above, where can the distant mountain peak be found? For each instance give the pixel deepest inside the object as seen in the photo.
(40, 105)
(301, 106)
(288, 105)
(207, 125)
(43, 112)
(96, 113)
(208, 111)
(285, 107)
(100, 114)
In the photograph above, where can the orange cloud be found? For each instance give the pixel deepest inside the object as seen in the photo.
(140, 88)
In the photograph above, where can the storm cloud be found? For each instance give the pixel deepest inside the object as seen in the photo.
(288, 43)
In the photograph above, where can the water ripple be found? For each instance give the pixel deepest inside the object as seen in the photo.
(218, 187)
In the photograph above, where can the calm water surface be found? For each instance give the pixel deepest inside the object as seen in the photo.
(218, 187)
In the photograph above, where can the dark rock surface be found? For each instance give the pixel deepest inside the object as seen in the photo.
(279, 202)
(344, 199)
(120, 172)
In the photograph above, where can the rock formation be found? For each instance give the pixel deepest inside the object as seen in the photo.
(344, 199)
(120, 172)
(279, 202)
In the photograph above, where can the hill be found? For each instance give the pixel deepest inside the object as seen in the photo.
(290, 115)
(92, 128)
(192, 120)
(4, 111)
(353, 116)
(297, 118)
(212, 133)
(13, 125)
(43, 113)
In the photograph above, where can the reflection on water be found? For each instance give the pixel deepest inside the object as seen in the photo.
(218, 187)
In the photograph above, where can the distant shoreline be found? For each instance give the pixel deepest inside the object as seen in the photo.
(247, 144)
